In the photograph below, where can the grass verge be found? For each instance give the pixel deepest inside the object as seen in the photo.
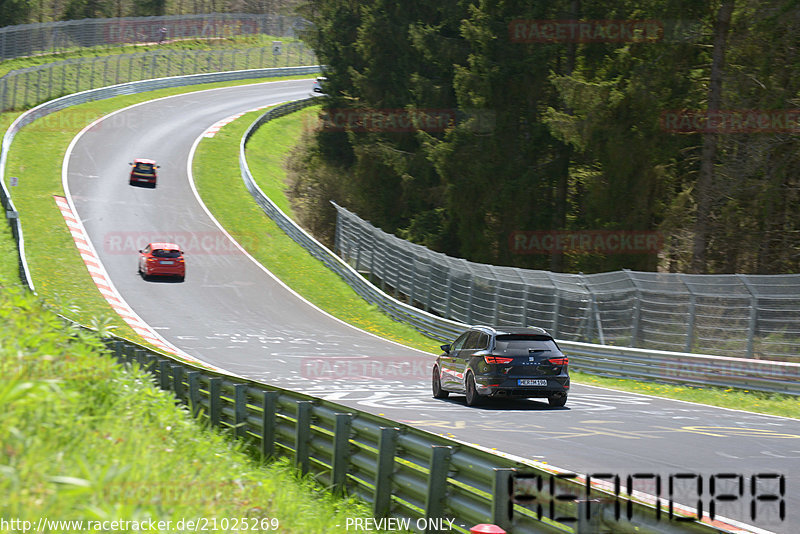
(86, 439)
(228, 200)
(35, 159)
(216, 174)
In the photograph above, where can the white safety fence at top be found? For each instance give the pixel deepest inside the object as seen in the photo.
(24, 88)
(52, 37)
(743, 316)
(683, 368)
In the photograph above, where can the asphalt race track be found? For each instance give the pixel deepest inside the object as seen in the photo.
(231, 313)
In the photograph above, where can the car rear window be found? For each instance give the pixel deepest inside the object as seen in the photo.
(145, 168)
(524, 343)
(164, 253)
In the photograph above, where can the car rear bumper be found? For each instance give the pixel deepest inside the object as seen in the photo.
(511, 388)
(166, 271)
(142, 179)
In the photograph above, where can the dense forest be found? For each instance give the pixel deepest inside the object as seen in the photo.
(670, 118)
(31, 11)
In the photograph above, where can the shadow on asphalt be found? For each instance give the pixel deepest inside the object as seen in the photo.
(531, 405)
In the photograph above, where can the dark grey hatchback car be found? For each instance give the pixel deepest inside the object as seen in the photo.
(487, 362)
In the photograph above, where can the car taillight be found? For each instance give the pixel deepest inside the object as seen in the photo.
(497, 359)
(559, 361)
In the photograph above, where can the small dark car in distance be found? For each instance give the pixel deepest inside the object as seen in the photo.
(143, 172)
(502, 362)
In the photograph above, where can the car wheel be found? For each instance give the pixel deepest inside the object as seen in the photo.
(557, 400)
(473, 397)
(438, 392)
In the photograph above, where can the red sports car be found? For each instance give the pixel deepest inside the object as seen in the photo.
(143, 172)
(162, 259)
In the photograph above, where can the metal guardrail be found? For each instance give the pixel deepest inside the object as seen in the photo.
(54, 37)
(726, 315)
(647, 364)
(683, 368)
(101, 94)
(402, 471)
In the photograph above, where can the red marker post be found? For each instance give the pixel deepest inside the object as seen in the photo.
(484, 528)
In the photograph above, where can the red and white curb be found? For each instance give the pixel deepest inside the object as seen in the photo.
(109, 292)
(217, 126)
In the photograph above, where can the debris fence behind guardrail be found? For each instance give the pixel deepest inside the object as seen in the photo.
(743, 316)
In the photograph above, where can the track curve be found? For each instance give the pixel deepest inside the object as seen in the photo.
(232, 314)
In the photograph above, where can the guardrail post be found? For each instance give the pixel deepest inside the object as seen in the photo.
(427, 303)
(496, 314)
(470, 297)
(337, 236)
(177, 382)
(556, 311)
(447, 293)
(690, 324)
(152, 363)
(214, 400)
(435, 502)
(240, 410)
(269, 404)
(139, 355)
(526, 295)
(637, 314)
(302, 436)
(372, 253)
(163, 374)
(413, 280)
(194, 391)
(502, 497)
(387, 445)
(753, 319)
(590, 522)
(341, 451)
(117, 348)
(358, 252)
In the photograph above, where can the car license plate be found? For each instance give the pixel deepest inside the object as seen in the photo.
(532, 382)
(168, 262)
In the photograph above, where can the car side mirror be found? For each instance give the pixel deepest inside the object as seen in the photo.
(130, 163)
(158, 166)
(445, 347)
(140, 251)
